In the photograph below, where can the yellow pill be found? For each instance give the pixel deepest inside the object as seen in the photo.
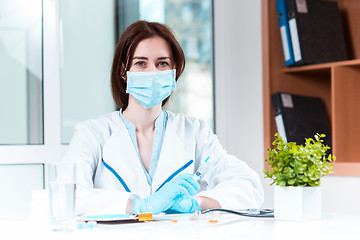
(213, 221)
(145, 216)
(174, 220)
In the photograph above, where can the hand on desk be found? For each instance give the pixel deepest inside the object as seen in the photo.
(175, 195)
(185, 204)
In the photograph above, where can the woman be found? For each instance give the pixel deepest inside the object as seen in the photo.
(142, 158)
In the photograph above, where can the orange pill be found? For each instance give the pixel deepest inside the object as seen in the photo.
(174, 220)
(213, 221)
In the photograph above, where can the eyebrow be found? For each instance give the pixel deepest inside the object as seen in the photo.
(163, 58)
(145, 58)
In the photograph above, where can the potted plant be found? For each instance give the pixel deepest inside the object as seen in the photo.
(296, 170)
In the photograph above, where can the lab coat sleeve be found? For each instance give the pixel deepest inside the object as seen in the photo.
(85, 150)
(226, 179)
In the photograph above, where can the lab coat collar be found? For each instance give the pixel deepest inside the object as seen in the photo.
(120, 154)
(173, 157)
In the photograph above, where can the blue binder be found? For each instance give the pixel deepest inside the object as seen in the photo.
(294, 32)
(285, 32)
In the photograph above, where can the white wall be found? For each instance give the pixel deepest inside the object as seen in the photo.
(239, 116)
(238, 71)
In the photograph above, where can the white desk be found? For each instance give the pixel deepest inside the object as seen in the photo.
(331, 226)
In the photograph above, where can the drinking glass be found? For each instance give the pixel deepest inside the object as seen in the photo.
(62, 186)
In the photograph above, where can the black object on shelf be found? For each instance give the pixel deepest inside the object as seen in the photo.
(299, 117)
(316, 31)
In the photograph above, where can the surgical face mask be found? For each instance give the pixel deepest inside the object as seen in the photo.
(150, 88)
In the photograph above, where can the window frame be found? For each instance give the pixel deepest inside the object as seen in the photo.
(52, 149)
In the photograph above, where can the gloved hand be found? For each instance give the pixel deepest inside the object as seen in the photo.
(182, 185)
(185, 204)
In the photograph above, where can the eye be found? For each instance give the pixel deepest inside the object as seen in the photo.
(140, 63)
(163, 64)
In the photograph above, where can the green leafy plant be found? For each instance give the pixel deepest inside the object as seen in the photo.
(298, 165)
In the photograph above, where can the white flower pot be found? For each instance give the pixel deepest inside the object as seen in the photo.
(297, 203)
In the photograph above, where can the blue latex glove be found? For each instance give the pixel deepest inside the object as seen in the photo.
(185, 204)
(162, 200)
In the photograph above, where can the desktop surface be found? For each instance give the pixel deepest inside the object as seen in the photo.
(208, 226)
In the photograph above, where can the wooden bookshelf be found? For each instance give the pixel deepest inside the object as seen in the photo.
(338, 83)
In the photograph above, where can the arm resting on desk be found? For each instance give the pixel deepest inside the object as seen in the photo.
(206, 202)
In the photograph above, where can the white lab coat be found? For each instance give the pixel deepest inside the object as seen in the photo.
(226, 178)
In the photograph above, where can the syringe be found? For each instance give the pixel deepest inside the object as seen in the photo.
(201, 169)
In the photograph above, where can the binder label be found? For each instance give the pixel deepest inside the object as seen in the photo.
(301, 6)
(287, 100)
(280, 126)
(284, 41)
(295, 39)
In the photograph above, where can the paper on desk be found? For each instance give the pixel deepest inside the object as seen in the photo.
(125, 218)
(113, 218)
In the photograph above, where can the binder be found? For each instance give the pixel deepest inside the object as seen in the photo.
(285, 32)
(316, 32)
(299, 117)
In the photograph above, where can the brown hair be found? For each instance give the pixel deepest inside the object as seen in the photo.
(124, 53)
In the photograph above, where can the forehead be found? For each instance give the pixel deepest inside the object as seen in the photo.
(153, 48)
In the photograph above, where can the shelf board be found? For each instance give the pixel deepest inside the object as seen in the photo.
(322, 66)
(346, 169)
